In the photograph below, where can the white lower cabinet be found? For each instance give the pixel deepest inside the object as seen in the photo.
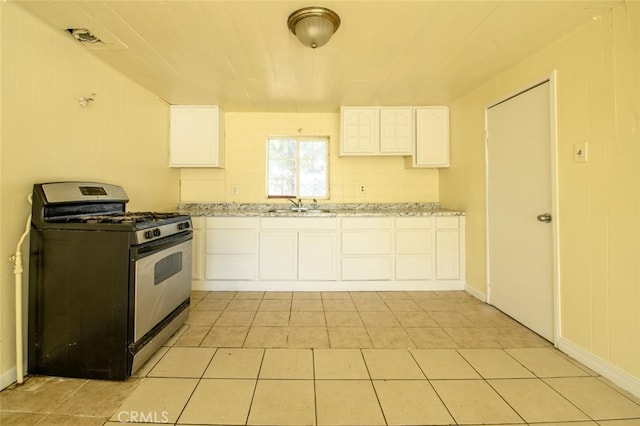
(414, 238)
(231, 248)
(318, 256)
(448, 248)
(197, 257)
(278, 255)
(298, 249)
(367, 248)
(421, 251)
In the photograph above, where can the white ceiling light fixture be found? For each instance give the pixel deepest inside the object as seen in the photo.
(314, 25)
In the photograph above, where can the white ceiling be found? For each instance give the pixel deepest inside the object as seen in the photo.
(239, 54)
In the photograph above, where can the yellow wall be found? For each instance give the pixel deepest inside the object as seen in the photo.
(385, 178)
(121, 137)
(598, 88)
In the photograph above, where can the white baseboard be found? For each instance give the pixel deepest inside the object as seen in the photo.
(8, 377)
(328, 285)
(475, 293)
(617, 375)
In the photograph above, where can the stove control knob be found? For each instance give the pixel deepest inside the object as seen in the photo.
(148, 234)
(184, 225)
(156, 232)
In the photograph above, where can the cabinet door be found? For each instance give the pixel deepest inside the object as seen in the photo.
(447, 254)
(197, 266)
(197, 259)
(432, 137)
(317, 256)
(278, 255)
(414, 267)
(397, 136)
(360, 131)
(196, 136)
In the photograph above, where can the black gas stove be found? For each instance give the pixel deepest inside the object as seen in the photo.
(106, 287)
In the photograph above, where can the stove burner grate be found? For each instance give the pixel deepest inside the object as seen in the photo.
(126, 217)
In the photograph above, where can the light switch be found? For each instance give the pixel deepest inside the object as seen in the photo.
(580, 152)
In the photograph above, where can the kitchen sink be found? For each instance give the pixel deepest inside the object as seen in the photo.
(300, 210)
(318, 211)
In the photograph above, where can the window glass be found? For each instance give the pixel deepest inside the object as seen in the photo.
(298, 167)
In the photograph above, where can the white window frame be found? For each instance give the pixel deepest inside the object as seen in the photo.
(298, 139)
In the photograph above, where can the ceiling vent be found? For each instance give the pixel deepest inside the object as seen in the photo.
(83, 35)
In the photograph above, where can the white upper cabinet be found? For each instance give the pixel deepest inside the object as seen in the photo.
(419, 132)
(397, 130)
(432, 137)
(377, 131)
(360, 131)
(196, 136)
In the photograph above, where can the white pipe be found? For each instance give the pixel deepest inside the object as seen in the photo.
(17, 272)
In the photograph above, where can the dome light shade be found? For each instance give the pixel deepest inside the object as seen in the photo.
(313, 26)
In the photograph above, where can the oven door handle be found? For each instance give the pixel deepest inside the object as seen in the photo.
(158, 245)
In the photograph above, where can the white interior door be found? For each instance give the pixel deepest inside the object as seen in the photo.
(519, 188)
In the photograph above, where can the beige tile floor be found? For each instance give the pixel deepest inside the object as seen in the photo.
(338, 358)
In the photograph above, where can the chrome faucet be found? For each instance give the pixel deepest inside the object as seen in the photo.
(298, 203)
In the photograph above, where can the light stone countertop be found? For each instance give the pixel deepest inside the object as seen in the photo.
(322, 210)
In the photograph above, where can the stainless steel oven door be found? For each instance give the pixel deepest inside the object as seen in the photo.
(162, 282)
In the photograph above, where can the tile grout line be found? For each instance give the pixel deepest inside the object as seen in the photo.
(255, 386)
(193, 391)
(315, 391)
(375, 391)
(504, 399)
(543, 381)
(432, 387)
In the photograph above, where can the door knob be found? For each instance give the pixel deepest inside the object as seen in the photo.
(544, 217)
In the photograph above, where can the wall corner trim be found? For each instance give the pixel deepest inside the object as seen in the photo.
(609, 371)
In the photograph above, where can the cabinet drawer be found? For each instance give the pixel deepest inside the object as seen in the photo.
(414, 267)
(366, 223)
(419, 222)
(447, 222)
(366, 268)
(232, 223)
(366, 242)
(231, 241)
(414, 242)
(230, 267)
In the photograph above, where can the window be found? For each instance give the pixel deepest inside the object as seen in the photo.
(298, 167)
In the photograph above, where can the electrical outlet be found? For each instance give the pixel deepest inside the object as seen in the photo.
(363, 189)
(235, 190)
(580, 152)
